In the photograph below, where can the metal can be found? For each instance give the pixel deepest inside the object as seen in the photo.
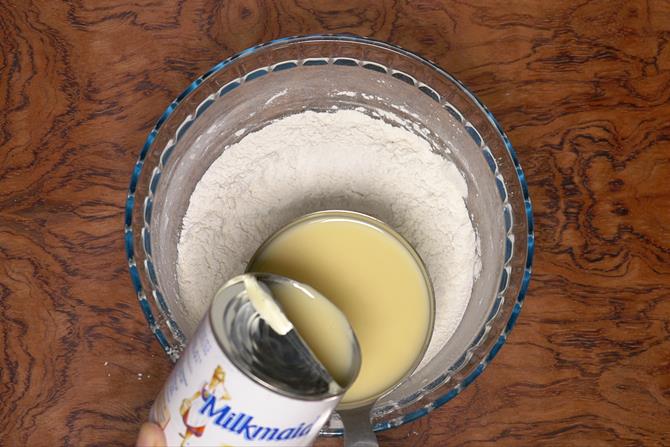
(241, 383)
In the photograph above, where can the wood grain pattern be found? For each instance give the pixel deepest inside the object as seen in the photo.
(582, 87)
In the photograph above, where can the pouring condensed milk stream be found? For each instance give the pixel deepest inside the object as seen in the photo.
(305, 351)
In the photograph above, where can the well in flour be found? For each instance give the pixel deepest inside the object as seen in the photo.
(314, 161)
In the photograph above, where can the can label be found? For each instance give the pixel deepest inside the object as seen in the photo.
(208, 401)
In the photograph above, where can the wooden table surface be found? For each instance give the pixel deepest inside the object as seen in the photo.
(582, 88)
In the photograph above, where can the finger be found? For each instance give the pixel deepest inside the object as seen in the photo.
(151, 435)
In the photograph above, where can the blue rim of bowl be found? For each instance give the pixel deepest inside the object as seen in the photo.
(530, 246)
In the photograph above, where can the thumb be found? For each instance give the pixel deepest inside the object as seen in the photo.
(151, 435)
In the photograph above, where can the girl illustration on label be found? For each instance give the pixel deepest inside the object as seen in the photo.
(194, 421)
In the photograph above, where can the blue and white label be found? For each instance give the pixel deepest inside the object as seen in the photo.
(207, 401)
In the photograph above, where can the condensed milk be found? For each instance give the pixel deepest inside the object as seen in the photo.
(373, 276)
(322, 326)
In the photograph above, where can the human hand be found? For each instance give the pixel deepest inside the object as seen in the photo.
(151, 435)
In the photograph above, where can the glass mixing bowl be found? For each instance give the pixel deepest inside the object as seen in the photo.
(287, 76)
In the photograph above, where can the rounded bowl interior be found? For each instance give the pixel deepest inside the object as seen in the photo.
(248, 91)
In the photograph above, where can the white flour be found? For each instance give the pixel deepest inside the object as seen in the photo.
(314, 161)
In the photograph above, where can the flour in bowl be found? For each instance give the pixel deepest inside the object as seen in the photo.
(314, 161)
